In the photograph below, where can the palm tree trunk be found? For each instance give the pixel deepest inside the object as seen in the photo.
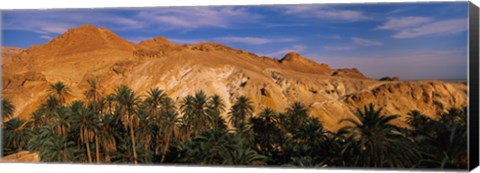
(166, 146)
(97, 149)
(132, 136)
(65, 144)
(88, 152)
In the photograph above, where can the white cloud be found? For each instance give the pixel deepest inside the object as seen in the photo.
(403, 22)
(366, 42)
(452, 26)
(415, 26)
(325, 12)
(254, 40)
(38, 26)
(57, 22)
(46, 37)
(246, 40)
(232, 39)
(197, 17)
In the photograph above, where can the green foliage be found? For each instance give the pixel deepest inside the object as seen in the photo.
(216, 147)
(15, 136)
(122, 127)
(381, 143)
(59, 91)
(266, 132)
(7, 109)
(200, 112)
(59, 149)
(240, 112)
(444, 142)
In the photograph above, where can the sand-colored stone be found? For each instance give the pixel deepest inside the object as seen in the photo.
(88, 52)
(353, 73)
(21, 157)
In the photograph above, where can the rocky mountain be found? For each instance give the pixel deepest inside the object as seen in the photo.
(88, 52)
(8, 52)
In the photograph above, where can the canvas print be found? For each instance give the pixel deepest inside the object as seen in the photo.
(374, 85)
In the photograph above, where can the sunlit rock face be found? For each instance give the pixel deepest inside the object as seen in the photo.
(88, 52)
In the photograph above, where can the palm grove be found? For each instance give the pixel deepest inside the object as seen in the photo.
(123, 127)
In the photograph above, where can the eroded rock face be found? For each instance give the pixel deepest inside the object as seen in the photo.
(330, 94)
(352, 73)
(9, 52)
(21, 80)
(299, 63)
(430, 97)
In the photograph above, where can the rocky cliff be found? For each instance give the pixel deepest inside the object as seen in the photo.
(88, 52)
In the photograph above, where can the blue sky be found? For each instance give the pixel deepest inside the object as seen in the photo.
(409, 40)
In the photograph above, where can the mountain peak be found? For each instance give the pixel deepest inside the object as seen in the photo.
(297, 62)
(85, 26)
(86, 38)
(82, 30)
(352, 73)
(160, 40)
(291, 56)
(294, 57)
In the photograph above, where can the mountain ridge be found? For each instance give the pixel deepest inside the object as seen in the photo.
(332, 94)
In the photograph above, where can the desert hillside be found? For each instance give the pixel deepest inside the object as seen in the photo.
(88, 52)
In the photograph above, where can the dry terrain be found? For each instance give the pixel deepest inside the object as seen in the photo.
(88, 52)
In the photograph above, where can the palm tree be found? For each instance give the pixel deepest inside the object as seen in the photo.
(454, 116)
(147, 129)
(59, 91)
(381, 143)
(93, 94)
(124, 153)
(306, 161)
(110, 99)
(310, 133)
(169, 121)
(153, 101)
(215, 109)
(218, 147)
(88, 124)
(265, 131)
(37, 119)
(49, 108)
(186, 108)
(15, 135)
(194, 109)
(244, 155)
(240, 112)
(296, 115)
(420, 124)
(62, 121)
(40, 137)
(55, 150)
(155, 106)
(447, 148)
(7, 109)
(445, 141)
(107, 134)
(127, 104)
(416, 119)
